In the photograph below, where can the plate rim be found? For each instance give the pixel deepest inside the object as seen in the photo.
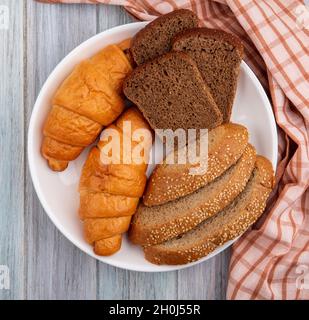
(35, 179)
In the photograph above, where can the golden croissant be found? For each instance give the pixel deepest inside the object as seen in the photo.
(110, 192)
(88, 100)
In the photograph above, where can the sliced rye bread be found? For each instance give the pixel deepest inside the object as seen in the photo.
(218, 55)
(155, 39)
(168, 182)
(154, 225)
(171, 94)
(225, 226)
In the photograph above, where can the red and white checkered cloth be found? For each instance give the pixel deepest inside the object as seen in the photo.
(272, 260)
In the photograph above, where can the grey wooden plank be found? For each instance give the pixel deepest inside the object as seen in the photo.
(111, 16)
(112, 283)
(153, 286)
(115, 283)
(222, 269)
(12, 150)
(55, 268)
(205, 281)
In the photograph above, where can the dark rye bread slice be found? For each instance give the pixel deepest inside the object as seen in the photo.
(168, 182)
(225, 226)
(155, 39)
(154, 225)
(218, 55)
(171, 94)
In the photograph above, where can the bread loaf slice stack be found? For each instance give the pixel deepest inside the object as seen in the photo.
(180, 227)
(216, 54)
(153, 225)
(226, 225)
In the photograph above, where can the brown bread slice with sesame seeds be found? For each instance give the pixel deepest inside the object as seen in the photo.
(171, 94)
(153, 225)
(168, 182)
(218, 55)
(226, 225)
(155, 39)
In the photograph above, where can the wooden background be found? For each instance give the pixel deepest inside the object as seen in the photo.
(43, 263)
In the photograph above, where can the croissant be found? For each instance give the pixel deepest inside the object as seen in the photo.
(110, 192)
(89, 99)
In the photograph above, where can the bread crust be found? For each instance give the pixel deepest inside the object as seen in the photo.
(169, 182)
(218, 198)
(71, 128)
(105, 205)
(57, 165)
(55, 149)
(108, 246)
(216, 34)
(248, 210)
(139, 40)
(115, 179)
(97, 229)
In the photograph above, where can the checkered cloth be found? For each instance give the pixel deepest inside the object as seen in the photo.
(271, 261)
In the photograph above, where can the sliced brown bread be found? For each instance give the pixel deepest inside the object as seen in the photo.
(153, 225)
(218, 55)
(226, 225)
(155, 39)
(168, 182)
(171, 94)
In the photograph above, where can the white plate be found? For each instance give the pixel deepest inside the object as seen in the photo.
(58, 191)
